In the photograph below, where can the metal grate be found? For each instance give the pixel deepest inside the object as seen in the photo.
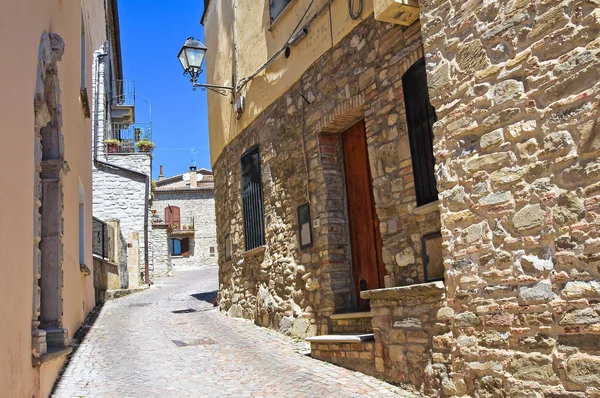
(102, 240)
(186, 311)
(252, 198)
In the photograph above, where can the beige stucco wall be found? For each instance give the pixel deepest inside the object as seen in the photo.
(23, 23)
(256, 44)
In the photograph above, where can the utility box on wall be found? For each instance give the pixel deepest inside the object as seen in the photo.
(399, 12)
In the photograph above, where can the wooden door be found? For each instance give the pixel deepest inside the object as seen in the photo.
(365, 238)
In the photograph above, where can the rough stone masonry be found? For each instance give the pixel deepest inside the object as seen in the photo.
(515, 84)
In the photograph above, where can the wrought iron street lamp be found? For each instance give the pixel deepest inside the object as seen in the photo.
(191, 57)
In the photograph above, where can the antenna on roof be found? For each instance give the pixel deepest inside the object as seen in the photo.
(193, 152)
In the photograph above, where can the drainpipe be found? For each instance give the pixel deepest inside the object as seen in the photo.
(125, 169)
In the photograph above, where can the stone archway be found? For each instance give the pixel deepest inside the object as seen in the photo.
(50, 166)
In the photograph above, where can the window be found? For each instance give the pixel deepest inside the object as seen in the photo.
(228, 247)
(82, 234)
(212, 251)
(304, 227)
(420, 116)
(179, 247)
(277, 7)
(252, 198)
(433, 259)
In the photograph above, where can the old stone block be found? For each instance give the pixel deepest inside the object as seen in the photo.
(529, 218)
(558, 143)
(578, 290)
(405, 257)
(471, 56)
(535, 294)
(508, 90)
(491, 161)
(583, 370)
(533, 367)
(466, 319)
(489, 387)
(569, 208)
(534, 264)
(585, 316)
(492, 139)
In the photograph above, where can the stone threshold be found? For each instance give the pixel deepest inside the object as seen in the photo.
(351, 315)
(341, 338)
(403, 291)
(53, 354)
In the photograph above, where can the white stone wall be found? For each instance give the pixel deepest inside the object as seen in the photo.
(201, 206)
(116, 193)
(160, 250)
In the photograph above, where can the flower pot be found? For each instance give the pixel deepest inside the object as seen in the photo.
(142, 148)
(112, 148)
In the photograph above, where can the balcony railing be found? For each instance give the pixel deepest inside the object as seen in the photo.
(129, 137)
(178, 225)
(103, 244)
(124, 93)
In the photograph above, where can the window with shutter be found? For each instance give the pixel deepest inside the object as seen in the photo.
(277, 7)
(175, 247)
(185, 247)
(420, 116)
(252, 199)
(168, 216)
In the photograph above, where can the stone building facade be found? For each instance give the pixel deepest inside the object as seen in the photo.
(184, 210)
(121, 171)
(514, 84)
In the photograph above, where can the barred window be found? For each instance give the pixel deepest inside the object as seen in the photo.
(420, 116)
(252, 198)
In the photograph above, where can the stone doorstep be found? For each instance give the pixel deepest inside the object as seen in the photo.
(341, 338)
(351, 315)
(430, 288)
(117, 293)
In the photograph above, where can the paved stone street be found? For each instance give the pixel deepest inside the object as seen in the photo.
(148, 345)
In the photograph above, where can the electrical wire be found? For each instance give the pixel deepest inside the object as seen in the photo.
(242, 83)
(351, 8)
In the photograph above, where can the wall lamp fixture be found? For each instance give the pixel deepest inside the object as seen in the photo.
(191, 57)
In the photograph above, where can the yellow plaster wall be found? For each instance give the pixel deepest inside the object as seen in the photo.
(256, 44)
(22, 23)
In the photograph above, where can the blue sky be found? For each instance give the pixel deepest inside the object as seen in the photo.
(152, 32)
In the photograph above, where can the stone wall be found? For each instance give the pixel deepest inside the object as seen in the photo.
(121, 195)
(355, 356)
(160, 251)
(411, 335)
(199, 204)
(295, 290)
(515, 85)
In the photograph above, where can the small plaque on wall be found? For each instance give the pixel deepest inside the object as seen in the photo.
(228, 247)
(304, 226)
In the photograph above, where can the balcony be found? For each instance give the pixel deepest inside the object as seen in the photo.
(129, 138)
(123, 102)
(177, 225)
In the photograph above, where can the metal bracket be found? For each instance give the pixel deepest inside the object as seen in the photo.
(217, 89)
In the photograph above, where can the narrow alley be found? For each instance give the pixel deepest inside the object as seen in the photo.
(169, 341)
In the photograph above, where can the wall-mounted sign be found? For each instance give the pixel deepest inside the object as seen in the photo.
(304, 226)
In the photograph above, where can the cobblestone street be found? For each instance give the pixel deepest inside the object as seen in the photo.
(169, 341)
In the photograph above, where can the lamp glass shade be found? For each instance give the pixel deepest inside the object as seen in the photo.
(191, 55)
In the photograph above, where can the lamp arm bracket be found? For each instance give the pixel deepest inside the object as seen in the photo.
(217, 89)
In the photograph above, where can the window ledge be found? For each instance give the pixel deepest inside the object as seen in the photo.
(254, 252)
(428, 208)
(418, 289)
(52, 354)
(281, 15)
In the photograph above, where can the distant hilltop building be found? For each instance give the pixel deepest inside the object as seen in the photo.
(183, 221)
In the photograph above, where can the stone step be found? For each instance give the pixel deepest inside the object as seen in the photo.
(341, 338)
(351, 323)
(351, 351)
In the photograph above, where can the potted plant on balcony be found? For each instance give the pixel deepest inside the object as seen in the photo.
(191, 227)
(175, 226)
(145, 145)
(112, 145)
